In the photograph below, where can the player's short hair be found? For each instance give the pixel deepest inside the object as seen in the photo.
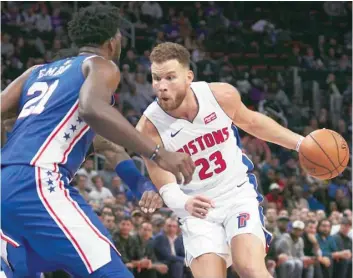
(94, 25)
(170, 51)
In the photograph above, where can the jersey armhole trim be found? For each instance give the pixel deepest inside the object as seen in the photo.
(156, 130)
(215, 99)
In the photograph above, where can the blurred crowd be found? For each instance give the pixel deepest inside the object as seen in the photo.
(289, 61)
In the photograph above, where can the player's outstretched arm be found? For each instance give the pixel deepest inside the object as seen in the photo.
(11, 95)
(252, 122)
(9, 103)
(126, 169)
(182, 204)
(102, 79)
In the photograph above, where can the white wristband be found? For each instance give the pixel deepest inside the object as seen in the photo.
(299, 143)
(174, 198)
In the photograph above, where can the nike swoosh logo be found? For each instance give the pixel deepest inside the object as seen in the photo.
(174, 134)
(240, 185)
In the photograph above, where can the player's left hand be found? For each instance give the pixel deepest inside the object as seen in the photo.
(150, 201)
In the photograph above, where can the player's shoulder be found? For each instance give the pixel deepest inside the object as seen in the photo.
(99, 63)
(225, 93)
(221, 89)
(146, 127)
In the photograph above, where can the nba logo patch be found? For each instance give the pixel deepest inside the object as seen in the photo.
(242, 219)
(210, 118)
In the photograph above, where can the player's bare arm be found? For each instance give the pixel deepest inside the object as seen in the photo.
(11, 95)
(102, 79)
(166, 183)
(9, 103)
(115, 154)
(252, 122)
(94, 107)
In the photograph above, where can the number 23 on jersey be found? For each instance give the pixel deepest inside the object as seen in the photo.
(216, 159)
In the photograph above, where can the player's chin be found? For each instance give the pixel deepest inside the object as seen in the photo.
(166, 105)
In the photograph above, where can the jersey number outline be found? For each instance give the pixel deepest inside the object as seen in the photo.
(218, 161)
(37, 104)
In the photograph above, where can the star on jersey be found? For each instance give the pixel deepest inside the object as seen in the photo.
(51, 189)
(49, 173)
(79, 120)
(67, 136)
(50, 182)
(73, 128)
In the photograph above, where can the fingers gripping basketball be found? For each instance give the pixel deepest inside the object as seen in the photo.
(324, 154)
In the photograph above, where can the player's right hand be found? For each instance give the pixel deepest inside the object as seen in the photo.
(198, 206)
(180, 164)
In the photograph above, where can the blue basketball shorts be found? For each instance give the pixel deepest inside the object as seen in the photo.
(46, 225)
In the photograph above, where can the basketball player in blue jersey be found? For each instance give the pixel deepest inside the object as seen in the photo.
(46, 225)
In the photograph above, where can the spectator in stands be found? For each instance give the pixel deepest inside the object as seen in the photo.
(311, 249)
(151, 10)
(43, 23)
(169, 249)
(331, 61)
(297, 200)
(119, 212)
(145, 243)
(107, 209)
(309, 59)
(136, 219)
(88, 171)
(81, 185)
(275, 197)
(109, 222)
(129, 247)
(320, 215)
(282, 225)
(158, 225)
(116, 186)
(290, 250)
(329, 249)
(343, 266)
(99, 193)
(7, 48)
(107, 174)
(130, 60)
(29, 18)
(271, 217)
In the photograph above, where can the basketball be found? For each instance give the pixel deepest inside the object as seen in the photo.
(324, 154)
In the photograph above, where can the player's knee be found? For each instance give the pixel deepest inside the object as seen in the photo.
(252, 269)
(249, 271)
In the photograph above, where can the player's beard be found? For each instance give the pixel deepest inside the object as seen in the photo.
(172, 105)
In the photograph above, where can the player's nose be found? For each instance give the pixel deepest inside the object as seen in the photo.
(162, 86)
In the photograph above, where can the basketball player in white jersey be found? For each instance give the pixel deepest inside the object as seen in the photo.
(222, 222)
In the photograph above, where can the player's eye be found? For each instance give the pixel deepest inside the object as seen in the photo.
(156, 78)
(170, 78)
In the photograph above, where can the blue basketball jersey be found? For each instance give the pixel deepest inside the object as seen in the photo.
(49, 132)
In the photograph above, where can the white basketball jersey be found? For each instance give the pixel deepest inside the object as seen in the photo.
(212, 141)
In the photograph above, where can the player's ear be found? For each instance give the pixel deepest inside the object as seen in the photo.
(111, 45)
(190, 76)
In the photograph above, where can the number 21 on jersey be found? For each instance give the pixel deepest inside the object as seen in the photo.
(37, 104)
